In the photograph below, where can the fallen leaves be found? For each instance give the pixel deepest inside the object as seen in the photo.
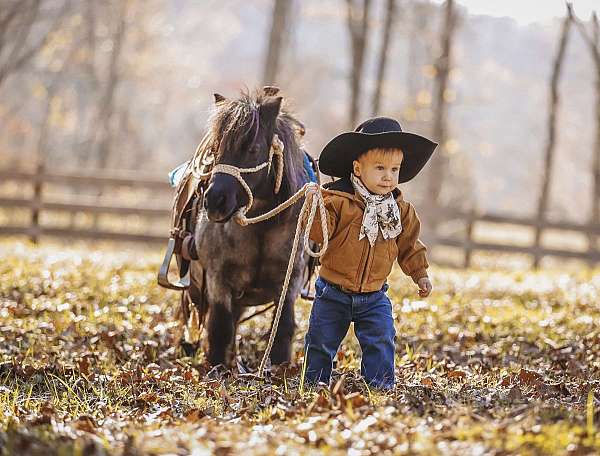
(194, 415)
(529, 378)
(88, 359)
(428, 382)
(85, 423)
(456, 374)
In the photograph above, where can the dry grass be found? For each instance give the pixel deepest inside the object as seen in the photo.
(492, 363)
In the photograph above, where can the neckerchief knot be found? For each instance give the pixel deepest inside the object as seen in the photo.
(381, 213)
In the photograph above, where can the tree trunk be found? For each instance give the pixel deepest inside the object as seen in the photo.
(105, 114)
(358, 25)
(595, 215)
(443, 64)
(593, 43)
(550, 145)
(383, 54)
(103, 136)
(18, 19)
(419, 29)
(41, 158)
(279, 25)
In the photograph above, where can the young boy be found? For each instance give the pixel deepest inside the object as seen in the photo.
(370, 227)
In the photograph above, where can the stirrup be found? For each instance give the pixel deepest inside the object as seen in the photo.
(163, 274)
(305, 292)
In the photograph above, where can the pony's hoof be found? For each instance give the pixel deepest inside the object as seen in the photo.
(188, 348)
(241, 366)
(218, 372)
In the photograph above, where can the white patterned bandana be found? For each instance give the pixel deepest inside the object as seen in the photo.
(381, 212)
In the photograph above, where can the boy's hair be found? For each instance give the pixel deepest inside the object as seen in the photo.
(381, 152)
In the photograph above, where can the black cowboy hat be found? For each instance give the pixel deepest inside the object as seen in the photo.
(380, 132)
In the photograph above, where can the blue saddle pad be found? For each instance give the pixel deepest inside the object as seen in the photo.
(176, 174)
(310, 172)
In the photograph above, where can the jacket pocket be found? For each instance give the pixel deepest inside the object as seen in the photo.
(345, 252)
(385, 251)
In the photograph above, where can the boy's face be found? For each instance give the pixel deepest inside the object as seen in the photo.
(379, 169)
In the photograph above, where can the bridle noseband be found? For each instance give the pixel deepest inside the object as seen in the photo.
(203, 167)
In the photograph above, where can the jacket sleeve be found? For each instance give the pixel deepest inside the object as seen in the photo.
(316, 233)
(411, 251)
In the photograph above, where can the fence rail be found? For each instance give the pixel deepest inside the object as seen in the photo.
(466, 242)
(39, 203)
(95, 178)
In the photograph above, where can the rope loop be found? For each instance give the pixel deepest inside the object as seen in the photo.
(313, 198)
(203, 167)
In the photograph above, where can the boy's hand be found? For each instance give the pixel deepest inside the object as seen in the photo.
(425, 287)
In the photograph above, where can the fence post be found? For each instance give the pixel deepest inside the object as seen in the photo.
(36, 205)
(469, 238)
(592, 244)
(536, 245)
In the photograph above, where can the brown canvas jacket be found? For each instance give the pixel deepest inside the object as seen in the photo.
(355, 265)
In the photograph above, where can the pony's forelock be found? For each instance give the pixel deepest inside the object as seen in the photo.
(234, 123)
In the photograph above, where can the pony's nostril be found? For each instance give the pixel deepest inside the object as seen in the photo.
(214, 201)
(219, 201)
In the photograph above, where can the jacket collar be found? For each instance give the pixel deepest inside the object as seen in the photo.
(344, 187)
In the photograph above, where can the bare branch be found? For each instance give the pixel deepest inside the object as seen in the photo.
(279, 28)
(357, 26)
(11, 13)
(390, 17)
(17, 58)
(439, 163)
(591, 41)
(550, 145)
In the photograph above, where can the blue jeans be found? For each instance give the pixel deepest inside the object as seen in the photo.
(330, 318)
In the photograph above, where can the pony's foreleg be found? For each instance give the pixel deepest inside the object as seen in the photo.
(221, 328)
(282, 345)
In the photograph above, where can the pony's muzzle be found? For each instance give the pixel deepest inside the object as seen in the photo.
(220, 199)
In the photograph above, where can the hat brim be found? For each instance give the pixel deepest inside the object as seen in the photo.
(337, 156)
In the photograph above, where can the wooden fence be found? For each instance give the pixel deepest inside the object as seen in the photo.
(468, 245)
(38, 202)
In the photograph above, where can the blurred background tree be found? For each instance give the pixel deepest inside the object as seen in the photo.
(127, 84)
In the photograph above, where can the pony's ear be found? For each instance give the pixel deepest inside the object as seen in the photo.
(219, 98)
(269, 110)
(300, 128)
(270, 91)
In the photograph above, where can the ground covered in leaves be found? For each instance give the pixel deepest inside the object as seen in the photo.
(492, 363)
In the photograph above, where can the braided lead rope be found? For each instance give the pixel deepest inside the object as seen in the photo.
(241, 219)
(310, 189)
(277, 148)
